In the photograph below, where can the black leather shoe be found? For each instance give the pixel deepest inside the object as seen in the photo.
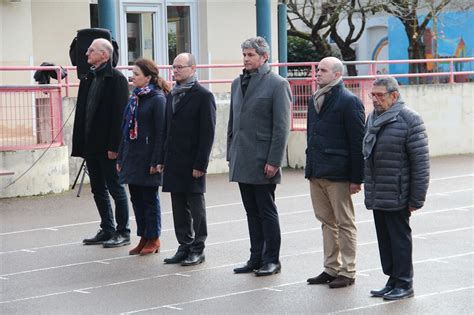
(98, 239)
(381, 292)
(248, 267)
(193, 259)
(268, 269)
(177, 258)
(117, 241)
(399, 293)
(323, 278)
(341, 282)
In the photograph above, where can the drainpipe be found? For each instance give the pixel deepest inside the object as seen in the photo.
(107, 14)
(282, 38)
(264, 20)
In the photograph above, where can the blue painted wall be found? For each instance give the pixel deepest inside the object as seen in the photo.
(452, 26)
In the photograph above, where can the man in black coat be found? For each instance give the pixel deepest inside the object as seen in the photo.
(397, 173)
(101, 99)
(190, 126)
(334, 167)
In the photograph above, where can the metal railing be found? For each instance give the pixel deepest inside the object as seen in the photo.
(30, 115)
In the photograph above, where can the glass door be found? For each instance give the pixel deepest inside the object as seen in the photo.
(142, 33)
(140, 37)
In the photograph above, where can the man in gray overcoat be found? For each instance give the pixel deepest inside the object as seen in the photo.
(257, 135)
(397, 173)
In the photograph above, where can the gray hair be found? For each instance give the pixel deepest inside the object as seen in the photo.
(105, 45)
(258, 43)
(388, 82)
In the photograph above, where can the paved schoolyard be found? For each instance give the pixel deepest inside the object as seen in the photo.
(45, 269)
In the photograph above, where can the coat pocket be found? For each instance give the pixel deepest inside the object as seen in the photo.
(337, 152)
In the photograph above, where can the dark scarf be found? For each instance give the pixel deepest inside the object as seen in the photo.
(180, 89)
(131, 113)
(375, 122)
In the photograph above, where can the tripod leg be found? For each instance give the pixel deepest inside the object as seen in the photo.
(82, 181)
(78, 173)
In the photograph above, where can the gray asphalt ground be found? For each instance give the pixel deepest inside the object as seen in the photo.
(45, 269)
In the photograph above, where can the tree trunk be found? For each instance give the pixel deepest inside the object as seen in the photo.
(348, 54)
(416, 50)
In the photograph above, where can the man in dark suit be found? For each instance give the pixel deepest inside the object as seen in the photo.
(102, 96)
(257, 134)
(190, 126)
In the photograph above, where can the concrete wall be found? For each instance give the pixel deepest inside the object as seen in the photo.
(49, 175)
(448, 113)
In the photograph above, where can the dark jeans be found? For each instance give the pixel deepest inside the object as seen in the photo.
(189, 217)
(395, 246)
(146, 205)
(104, 180)
(263, 223)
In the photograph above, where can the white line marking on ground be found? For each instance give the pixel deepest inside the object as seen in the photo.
(3, 278)
(28, 251)
(102, 262)
(451, 177)
(82, 291)
(390, 302)
(54, 228)
(105, 261)
(362, 274)
(172, 307)
(181, 275)
(273, 289)
(278, 286)
(206, 269)
(464, 209)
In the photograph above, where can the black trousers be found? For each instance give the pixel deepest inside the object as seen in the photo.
(263, 223)
(104, 181)
(189, 217)
(395, 246)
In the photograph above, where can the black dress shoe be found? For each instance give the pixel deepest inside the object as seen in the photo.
(399, 293)
(177, 258)
(117, 241)
(99, 238)
(193, 259)
(341, 282)
(323, 278)
(268, 269)
(381, 292)
(248, 267)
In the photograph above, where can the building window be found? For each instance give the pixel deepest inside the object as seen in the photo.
(179, 31)
(140, 36)
(94, 14)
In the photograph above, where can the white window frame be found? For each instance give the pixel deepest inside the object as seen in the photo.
(194, 25)
(160, 40)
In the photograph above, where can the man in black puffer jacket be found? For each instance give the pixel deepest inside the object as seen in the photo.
(396, 182)
(335, 167)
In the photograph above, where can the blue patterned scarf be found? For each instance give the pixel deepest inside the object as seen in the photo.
(131, 113)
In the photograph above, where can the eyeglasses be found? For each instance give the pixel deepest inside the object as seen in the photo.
(377, 95)
(179, 67)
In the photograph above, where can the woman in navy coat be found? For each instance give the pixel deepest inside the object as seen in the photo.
(139, 152)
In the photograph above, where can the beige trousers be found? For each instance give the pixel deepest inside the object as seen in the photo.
(333, 206)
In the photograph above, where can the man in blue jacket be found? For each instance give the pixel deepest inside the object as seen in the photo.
(335, 167)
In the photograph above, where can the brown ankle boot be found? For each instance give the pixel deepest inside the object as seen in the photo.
(152, 246)
(139, 247)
